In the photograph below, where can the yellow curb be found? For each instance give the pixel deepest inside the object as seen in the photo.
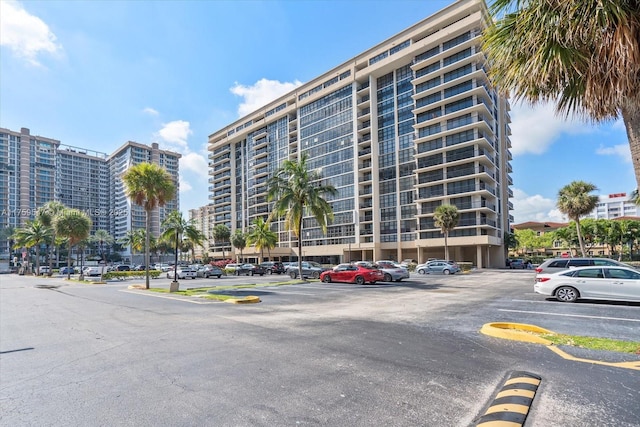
(246, 300)
(514, 331)
(136, 287)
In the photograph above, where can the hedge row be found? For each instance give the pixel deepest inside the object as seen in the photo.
(121, 275)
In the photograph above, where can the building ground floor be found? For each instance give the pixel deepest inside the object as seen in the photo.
(479, 251)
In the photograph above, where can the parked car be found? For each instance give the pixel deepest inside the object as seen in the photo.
(438, 266)
(249, 270)
(162, 267)
(183, 273)
(44, 269)
(273, 267)
(231, 267)
(123, 267)
(387, 262)
(309, 269)
(392, 271)
(67, 270)
(210, 270)
(353, 273)
(616, 283)
(555, 265)
(91, 271)
(517, 264)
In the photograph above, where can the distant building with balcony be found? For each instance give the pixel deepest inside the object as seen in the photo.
(35, 170)
(398, 130)
(201, 218)
(613, 206)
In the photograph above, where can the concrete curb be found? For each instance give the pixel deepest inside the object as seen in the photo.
(250, 299)
(516, 332)
(512, 403)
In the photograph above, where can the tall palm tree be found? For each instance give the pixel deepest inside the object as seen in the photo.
(239, 241)
(74, 225)
(584, 55)
(134, 239)
(148, 185)
(33, 234)
(298, 191)
(181, 234)
(101, 238)
(46, 215)
(575, 201)
(221, 234)
(446, 218)
(261, 236)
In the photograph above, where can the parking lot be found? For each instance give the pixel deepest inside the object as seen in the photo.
(401, 353)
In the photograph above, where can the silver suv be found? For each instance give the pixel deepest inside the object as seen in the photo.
(559, 264)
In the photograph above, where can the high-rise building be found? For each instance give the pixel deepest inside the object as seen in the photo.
(616, 205)
(35, 170)
(411, 124)
(124, 214)
(201, 218)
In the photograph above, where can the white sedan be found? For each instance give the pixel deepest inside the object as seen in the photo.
(604, 283)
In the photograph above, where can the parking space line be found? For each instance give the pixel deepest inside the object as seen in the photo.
(148, 294)
(571, 315)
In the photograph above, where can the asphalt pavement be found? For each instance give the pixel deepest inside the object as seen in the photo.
(399, 354)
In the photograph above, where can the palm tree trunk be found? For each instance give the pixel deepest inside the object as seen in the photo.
(69, 263)
(632, 125)
(446, 246)
(79, 256)
(146, 248)
(300, 249)
(582, 251)
(37, 260)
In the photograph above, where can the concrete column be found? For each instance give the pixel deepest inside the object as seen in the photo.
(479, 263)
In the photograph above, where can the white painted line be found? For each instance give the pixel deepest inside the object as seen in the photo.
(571, 315)
(167, 297)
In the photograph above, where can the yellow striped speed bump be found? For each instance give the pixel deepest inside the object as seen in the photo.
(244, 300)
(511, 405)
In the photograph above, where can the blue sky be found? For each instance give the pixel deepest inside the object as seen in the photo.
(97, 74)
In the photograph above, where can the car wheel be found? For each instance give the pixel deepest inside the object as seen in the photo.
(315, 275)
(359, 280)
(399, 280)
(269, 272)
(292, 274)
(252, 273)
(445, 271)
(326, 278)
(567, 294)
(237, 273)
(218, 276)
(422, 271)
(387, 277)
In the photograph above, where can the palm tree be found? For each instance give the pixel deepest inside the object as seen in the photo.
(575, 201)
(581, 54)
(262, 237)
(239, 241)
(46, 215)
(74, 225)
(446, 217)
(148, 185)
(298, 191)
(221, 234)
(101, 238)
(33, 234)
(134, 239)
(181, 234)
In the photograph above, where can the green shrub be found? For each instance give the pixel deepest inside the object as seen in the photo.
(465, 266)
(121, 275)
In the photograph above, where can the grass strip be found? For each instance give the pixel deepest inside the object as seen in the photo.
(205, 292)
(594, 343)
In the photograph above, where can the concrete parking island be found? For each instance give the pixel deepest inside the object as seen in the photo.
(527, 333)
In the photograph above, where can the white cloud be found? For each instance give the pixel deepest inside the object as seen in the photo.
(621, 150)
(25, 34)
(150, 111)
(260, 94)
(194, 162)
(535, 129)
(184, 185)
(175, 134)
(534, 208)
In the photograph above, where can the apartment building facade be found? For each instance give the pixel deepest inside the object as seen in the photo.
(611, 206)
(35, 170)
(408, 125)
(201, 218)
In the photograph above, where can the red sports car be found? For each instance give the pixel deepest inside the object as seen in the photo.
(352, 273)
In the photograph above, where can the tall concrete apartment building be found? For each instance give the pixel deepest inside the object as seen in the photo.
(613, 206)
(201, 218)
(35, 170)
(408, 125)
